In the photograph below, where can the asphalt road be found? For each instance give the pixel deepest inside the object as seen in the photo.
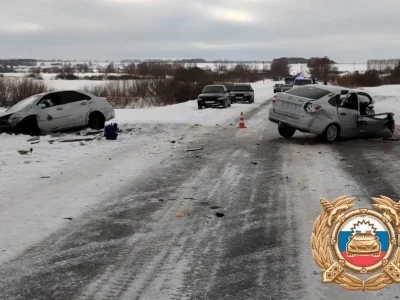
(135, 247)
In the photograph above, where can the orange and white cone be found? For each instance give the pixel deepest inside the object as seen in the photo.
(241, 122)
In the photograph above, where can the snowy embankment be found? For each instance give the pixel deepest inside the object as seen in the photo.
(60, 180)
(387, 99)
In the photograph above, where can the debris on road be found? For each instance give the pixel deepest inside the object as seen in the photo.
(172, 142)
(194, 149)
(214, 207)
(254, 163)
(219, 215)
(67, 218)
(75, 140)
(189, 198)
(180, 214)
(45, 177)
(24, 152)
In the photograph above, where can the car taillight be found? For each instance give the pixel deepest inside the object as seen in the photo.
(310, 107)
(274, 98)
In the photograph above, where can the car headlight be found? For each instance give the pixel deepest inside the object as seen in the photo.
(247, 94)
(221, 98)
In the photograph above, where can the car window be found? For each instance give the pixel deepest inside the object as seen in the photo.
(72, 96)
(245, 88)
(334, 100)
(302, 81)
(23, 103)
(363, 98)
(309, 92)
(214, 89)
(52, 99)
(351, 102)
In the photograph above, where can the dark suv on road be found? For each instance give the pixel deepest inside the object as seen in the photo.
(214, 95)
(242, 92)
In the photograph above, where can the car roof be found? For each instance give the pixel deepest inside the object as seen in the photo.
(334, 88)
(242, 84)
(215, 85)
(58, 91)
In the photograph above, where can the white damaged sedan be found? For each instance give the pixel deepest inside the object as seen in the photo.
(56, 111)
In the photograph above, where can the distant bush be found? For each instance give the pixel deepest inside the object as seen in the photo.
(141, 93)
(13, 90)
(367, 79)
(34, 76)
(67, 76)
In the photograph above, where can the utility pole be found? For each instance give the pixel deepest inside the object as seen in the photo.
(263, 71)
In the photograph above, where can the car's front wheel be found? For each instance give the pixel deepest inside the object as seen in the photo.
(28, 126)
(331, 133)
(286, 131)
(96, 120)
(199, 106)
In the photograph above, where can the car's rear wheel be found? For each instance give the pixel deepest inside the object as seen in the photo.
(96, 120)
(331, 133)
(286, 131)
(225, 104)
(199, 106)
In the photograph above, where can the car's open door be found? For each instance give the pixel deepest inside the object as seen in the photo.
(380, 125)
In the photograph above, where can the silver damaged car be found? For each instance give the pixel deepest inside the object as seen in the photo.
(330, 112)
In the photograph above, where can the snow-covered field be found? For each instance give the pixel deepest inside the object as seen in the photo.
(294, 68)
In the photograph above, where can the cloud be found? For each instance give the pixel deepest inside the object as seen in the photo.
(19, 28)
(253, 29)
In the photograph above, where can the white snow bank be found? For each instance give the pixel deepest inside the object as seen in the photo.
(188, 113)
(387, 99)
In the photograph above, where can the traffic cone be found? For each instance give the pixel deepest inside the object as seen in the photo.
(241, 122)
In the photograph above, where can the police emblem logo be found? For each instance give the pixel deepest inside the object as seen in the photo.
(362, 241)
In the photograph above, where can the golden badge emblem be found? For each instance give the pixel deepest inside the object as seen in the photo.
(361, 241)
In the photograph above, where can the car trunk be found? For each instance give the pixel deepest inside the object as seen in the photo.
(290, 105)
(292, 102)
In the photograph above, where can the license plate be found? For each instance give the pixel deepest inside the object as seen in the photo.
(210, 102)
(239, 97)
(289, 105)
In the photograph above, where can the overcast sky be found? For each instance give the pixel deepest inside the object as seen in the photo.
(344, 30)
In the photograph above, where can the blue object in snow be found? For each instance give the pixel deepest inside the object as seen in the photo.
(110, 132)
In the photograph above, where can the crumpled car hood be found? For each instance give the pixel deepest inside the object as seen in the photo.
(5, 115)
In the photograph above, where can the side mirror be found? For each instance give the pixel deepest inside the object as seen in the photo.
(42, 105)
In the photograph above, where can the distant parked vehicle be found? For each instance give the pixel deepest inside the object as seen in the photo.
(302, 81)
(214, 95)
(278, 87)
(290, 80)
(286, 87)
(56, 111)
(329, 112)
(242, 92)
